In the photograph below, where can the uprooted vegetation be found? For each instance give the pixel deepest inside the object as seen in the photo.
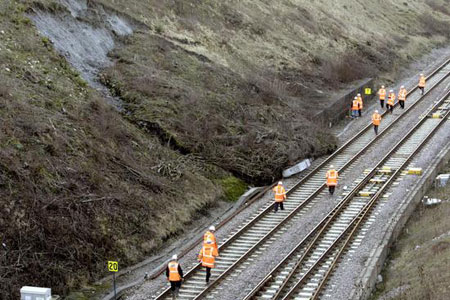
(211, 89)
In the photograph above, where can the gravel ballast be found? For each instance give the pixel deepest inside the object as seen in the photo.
(273, 254)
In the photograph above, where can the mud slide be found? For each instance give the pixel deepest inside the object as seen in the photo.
(84, 34)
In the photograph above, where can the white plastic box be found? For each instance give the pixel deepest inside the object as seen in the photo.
(35, 293)
(442, 180)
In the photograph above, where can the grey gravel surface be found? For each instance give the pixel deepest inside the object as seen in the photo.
(346, 275)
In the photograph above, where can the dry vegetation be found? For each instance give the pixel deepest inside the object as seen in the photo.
(212, 88)
(78, 184)
(420, 263)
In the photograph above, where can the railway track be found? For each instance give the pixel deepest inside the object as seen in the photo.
(304, 271)
(265, 226)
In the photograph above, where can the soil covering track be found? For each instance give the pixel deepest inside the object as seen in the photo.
(266, 226)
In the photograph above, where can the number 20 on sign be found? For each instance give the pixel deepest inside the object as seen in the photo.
(113, 266)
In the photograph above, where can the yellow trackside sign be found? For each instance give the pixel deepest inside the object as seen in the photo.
(113, 266)
(368, 91)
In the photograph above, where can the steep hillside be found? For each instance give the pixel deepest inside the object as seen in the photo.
(78, 183)
(241, 81)
(210, 89)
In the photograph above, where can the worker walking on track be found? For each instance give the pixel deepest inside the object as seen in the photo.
(360, 102)
(390, 102)
(382, 95)
(376, 119)
(207, 257)
(280, 196)
(422, 81)
(355, 107)
(209, 236)
(402, 96)
(332, 177)
(174, 274)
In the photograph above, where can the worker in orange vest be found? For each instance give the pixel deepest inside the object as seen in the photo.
(280, 196)
(391, 101)
(422, 81)
(207, 257)
(209, 235)
(174, 274)
(376, 119)
(332, 177)
(360, 101)
(382, 95)
(355, 107)
(402, 96)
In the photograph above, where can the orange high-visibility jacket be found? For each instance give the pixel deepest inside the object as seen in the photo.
(173, 271)
(332, 177)
(280, 193)
(422, 81)
(376, 118)
(382, 93)
(402, 94)
(391, 99)
(360, 101)
(207, 256)
(355, 104)
(209, 236)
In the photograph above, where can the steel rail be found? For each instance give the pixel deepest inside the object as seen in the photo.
(319, 189)
(354, 225)
(325, 221)
(348, 240)
(303, 180)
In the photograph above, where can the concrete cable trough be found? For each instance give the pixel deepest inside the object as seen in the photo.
(265, 226)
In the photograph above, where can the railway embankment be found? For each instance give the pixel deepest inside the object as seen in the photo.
(417, 265)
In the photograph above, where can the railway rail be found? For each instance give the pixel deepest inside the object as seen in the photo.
(266, 226)
(304, 271)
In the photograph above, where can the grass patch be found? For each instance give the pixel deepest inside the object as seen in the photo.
(233, 188)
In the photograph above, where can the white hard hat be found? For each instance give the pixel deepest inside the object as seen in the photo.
(355, 97)
(331, 167)
(421, 74)
(280, 183)
(174, 257)
(376, 111)
(402, 87)
(391, 91)
(359, 94)
(212, 228)
(382, 86)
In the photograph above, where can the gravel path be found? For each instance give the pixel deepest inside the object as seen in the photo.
(260, 266)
